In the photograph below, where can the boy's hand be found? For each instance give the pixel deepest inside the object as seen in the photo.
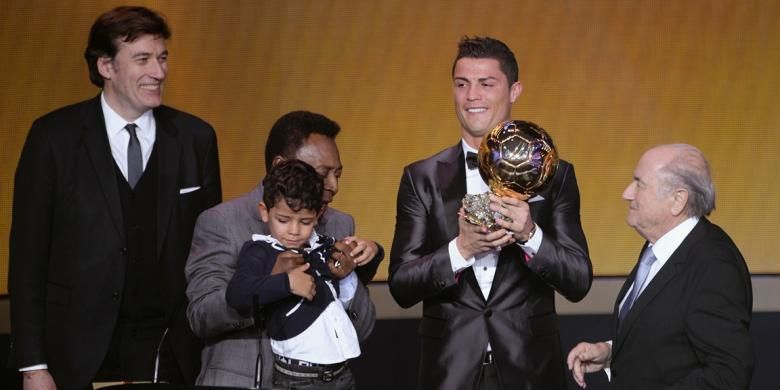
(340, 262)
(364, 250)
(301, 283)
(286, 262)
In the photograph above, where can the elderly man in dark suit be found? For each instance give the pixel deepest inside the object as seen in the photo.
(682, 317)
(232, 341)
(106, 195)
(489, 319)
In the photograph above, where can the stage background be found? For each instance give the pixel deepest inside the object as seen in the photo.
(607, 79)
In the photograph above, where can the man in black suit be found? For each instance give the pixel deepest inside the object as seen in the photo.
(106, 195)
(682, 318)
(489, 319)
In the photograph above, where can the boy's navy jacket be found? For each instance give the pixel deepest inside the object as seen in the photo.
(287, 315)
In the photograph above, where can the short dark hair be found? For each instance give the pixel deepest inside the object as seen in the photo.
(121, 23)
(292, 129)
(486, 47)
(294, 182)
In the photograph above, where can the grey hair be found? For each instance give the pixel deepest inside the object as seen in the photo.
(690, 170)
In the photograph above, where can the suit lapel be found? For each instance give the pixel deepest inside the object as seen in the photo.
(451, 180)
(672, 268)
(168, 173)
(451, 184)
(96, 141)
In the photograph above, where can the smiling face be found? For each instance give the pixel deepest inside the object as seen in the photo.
(291, 228)
(483, 96)
(134, 77)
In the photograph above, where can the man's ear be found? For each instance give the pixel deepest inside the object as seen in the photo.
(105, 66)
(514, 91)
(679, 201)
(261, 207)
(277, 160)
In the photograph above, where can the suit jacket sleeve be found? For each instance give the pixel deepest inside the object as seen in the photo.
(210, 266)
(362, 312)
(211, 179)
(31, 226)
(253, 278)
(417, 268)
(718, 325)
(562, 260)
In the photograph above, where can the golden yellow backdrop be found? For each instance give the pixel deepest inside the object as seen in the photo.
(607, 78)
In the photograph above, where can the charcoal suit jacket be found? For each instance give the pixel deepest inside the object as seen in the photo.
(68, 239)
(518, 318)
(689, 328)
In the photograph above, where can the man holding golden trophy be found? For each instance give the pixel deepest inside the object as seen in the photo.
(486, 232)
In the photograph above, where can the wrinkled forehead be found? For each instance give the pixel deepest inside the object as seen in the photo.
(320, 152)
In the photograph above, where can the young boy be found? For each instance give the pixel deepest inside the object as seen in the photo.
(311, 333)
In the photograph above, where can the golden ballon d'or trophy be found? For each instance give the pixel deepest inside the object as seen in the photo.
(516, 159)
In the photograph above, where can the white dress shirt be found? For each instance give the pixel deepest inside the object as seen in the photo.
(118, 137)
(331, 338)
(484, 264)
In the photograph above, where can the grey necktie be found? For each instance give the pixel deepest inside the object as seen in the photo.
(135, 165)
(646, 260)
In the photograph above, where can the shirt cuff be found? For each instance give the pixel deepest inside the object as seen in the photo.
(457, 262)
(35, 367)
(347, 288)
(533, 244)
(606, 369)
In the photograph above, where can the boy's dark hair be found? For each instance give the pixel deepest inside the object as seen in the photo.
(123, 23)
(295, 182)
(292, 129)
(486, 47)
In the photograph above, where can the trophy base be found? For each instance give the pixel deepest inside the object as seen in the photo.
(478, 212)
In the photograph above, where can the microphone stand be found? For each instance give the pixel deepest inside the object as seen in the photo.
(259, 317)
(157, 357)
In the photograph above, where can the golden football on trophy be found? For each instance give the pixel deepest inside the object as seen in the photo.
(517, 159)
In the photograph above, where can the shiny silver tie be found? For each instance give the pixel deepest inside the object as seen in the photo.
(646, 260)
(135, 165)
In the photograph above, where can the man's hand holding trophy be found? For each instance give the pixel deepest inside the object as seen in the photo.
(517, 160)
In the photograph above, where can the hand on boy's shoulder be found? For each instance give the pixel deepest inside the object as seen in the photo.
(286, 262)
(341, 263)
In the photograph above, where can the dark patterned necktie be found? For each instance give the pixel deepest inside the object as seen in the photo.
(135, 165)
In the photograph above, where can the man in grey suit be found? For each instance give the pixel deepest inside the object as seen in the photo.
(229, 358)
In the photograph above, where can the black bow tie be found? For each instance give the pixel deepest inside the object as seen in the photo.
(471, 160)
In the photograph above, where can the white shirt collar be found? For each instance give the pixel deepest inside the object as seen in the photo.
(313, 240)
(115, 123)
(669, 242)
(467, 148)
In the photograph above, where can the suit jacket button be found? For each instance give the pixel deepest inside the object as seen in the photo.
(488, 313)
(115, 295)
(123, 250)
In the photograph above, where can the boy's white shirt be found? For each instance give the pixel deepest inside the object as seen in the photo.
(331, 338)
